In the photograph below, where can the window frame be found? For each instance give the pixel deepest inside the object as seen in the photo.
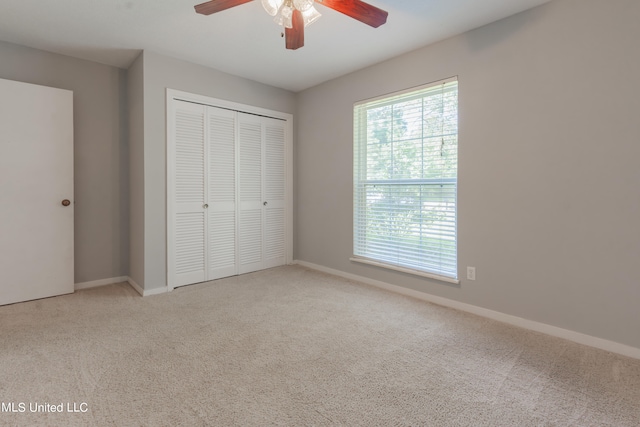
(360, 170)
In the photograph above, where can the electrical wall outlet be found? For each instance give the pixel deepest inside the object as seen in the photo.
(471, 273)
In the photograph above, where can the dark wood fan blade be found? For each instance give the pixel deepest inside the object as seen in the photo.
(359, 10)
(294, 37)
(214, 6)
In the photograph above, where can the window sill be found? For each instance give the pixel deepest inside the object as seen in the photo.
(405, 270)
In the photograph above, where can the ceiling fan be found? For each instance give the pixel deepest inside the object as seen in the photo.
(295, 15)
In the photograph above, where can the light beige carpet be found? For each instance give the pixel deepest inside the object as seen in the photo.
(291, 346)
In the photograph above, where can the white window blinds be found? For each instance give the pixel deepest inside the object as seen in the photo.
(405, 179)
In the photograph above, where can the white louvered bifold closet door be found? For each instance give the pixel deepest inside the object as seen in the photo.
(262, 192)
(251, 199)
(222, 193)
(274, 188)
(190, 227)
(227, 188)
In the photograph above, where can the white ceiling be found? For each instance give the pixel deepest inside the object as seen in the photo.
(243, 40)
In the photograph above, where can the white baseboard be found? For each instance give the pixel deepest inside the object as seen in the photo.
(112, 280)
(155, 291)
(146, 292)
(101, 282)
(135, 286)
(555, 331)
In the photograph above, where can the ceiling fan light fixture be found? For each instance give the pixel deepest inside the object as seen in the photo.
(296, 15)
(303, 5)
(272, 6)
(310, 16)
(284, 15)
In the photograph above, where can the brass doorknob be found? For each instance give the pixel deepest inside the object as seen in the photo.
(66, 202)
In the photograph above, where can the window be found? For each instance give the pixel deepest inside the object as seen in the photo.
(405, 180)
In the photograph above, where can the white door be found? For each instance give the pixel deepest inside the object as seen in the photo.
(262, 192)
(274, 193)
(222, 241)
(226, 192)
(187, 198)
(250, 224)
(36, 176)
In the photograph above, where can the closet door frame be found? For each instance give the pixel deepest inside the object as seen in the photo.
(175, 95)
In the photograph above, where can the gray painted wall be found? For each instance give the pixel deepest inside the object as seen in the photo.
(162, 72)
(549, 178)
(135, 104)
(100, 152)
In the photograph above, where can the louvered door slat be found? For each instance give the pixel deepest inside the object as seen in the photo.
(222, 238)
(189, 248)
(250, 137)
(274, 237)
(189, 155)
(250, 160)
(274, 184)
(274, 160)
(250, 240)
(222, 193)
